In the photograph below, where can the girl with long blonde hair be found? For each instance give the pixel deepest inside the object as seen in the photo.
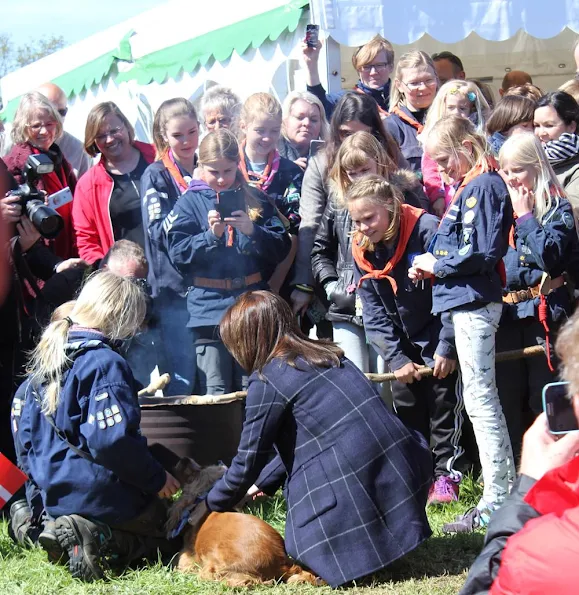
(454, 98)
(75, 424)
(543, 254)
(465, 260)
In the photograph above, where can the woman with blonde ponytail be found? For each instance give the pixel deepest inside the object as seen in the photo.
(399, 325)
(75, 424)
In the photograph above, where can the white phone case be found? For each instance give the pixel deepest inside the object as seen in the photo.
(60, 198)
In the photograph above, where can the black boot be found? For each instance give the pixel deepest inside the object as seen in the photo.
(50, 544)
(22, 528)
(85, 542)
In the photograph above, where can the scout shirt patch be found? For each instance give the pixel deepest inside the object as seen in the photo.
(471, 202)
(465, 249)
(109, 417)
(568, 220)
(468, 217)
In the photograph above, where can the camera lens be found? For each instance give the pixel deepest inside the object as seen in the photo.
(46, 220)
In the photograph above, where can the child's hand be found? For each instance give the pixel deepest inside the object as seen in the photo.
(523, 200)
(408, 373)
(438, 207)
(241, 222)
(443, 366)
(170, 488)
(215, 224)
(422, 266)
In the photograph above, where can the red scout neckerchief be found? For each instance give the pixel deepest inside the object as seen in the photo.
(409, 217)
(406, 118)
(261, 181)
(169, 162)
(382, 111)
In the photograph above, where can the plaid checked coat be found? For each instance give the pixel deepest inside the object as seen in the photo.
(357, 478)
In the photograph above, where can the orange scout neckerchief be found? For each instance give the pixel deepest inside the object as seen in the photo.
(174, 170)
(409, 217)
(406, 118)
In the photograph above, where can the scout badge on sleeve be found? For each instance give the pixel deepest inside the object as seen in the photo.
(11, 479)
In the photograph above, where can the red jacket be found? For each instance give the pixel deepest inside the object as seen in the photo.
(64, 245)
(90, 211)
(543, 557)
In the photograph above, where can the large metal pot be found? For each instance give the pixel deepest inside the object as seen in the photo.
(207, 429)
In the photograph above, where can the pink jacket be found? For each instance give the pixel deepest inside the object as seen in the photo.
(434, 187)
(90, 208)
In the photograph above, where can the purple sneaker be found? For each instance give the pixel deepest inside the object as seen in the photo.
(443, 491)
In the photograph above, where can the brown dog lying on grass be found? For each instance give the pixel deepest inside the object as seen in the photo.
(233, 547)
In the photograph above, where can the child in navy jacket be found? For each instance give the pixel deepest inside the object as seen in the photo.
(399, 324)
(465, 261)
(76, 433)
(221, 259)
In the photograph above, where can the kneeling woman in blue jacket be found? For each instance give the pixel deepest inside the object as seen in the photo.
(221, 258)
(75, 422)
(356, 477)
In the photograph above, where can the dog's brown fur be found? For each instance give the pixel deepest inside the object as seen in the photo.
(233, 547)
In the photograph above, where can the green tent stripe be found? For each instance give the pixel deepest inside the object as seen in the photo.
(219, 45)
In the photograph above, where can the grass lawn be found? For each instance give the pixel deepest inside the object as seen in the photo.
(437, 567)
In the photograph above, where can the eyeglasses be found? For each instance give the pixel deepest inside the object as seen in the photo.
(63, 112)
(417, 85)
(100, 138)
(377, 67)
(38, 126)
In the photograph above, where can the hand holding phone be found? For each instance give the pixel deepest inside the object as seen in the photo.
(315, 146)
(312, 35)
(230, 201)
(558, 407)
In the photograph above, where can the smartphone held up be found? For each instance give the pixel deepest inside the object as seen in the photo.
(312, 35)
(558, 407)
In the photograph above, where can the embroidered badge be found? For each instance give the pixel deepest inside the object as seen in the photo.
(91, 419)
(465, 250)
(468, 217)
(471, 202)
(101, 397)
(568, 220)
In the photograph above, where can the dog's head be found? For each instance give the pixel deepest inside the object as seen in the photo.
(195, 482)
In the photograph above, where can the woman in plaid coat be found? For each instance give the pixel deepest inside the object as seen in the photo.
(357, 478)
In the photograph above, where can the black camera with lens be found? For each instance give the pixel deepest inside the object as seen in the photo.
(45, 219)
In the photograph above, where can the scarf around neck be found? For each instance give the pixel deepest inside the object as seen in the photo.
(169, 162)
(409, 217)
(564, 148)
(264, 180)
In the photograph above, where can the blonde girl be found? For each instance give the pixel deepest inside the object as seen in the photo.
(76, 431)
(543, 252)
(415, 86)
(176, 136)
(399, 324)
(264, 168)
(465, 261)
(221, 258)
(454, 98)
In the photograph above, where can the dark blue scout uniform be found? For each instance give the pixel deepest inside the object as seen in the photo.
(170, 316)
(552, 247)
(357, 478)
(216, 272)
(472, 238)
(99, 414)
(402, 329)
(406, 136)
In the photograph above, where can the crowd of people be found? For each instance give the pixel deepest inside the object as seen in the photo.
(412, 221)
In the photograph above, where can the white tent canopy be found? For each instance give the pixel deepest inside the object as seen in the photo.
(353, 22)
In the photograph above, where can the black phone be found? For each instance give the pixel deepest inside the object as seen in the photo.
(312, 35)
(315, 146)
(558, 406)
(230, 201)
